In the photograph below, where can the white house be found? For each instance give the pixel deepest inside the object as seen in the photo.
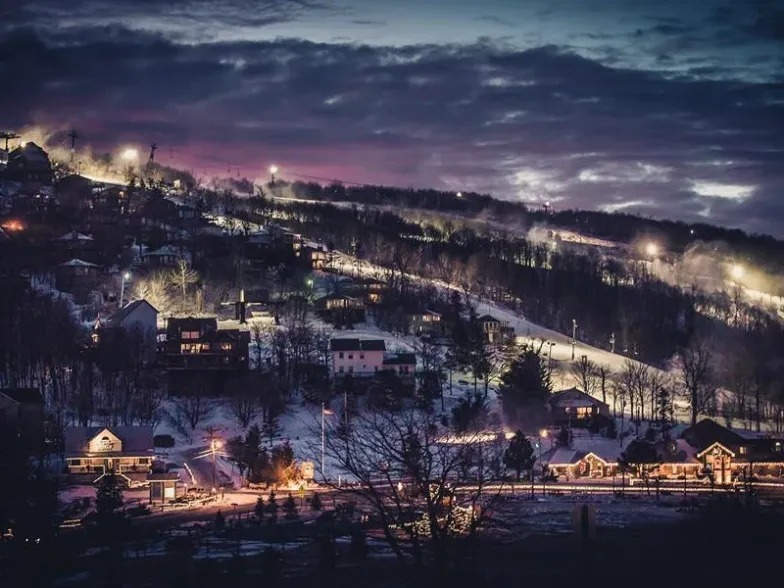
(359, 357)
(126, 450)
(139, 320)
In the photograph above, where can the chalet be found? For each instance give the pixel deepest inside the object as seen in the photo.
(572, 406)
(22, 412)
(78, 277)
(359, 357)
(199, 344)
(76, 245)
(340, 309)
(495, 330)
(314, 255)
(138, 321)
(124, 450)
(369, 289)
(727, 453)
(74, 192)
(166, 256)
(29, 163)
(424, 323)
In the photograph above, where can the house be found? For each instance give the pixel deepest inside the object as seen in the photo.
(29, 163)
(424, 323)
(359, 357)
(199, 344)
(124, 450)
(495, 330)
(572, 405)
(74, 192)
(369, 289)
(78, 277)
(22, 412)
(166, 256)
(727, 453)
(340, 309)
(138, 321)
(76, 245)
(402, 363)
(314, 255)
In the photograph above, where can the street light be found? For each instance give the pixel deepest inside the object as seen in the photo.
(574, 336)
(324, 411)
(130, 154)
(651, 249)
(125, 277)
(551, 344)
(459, 194)
(273, 170)
(737, 271)
(543, 433)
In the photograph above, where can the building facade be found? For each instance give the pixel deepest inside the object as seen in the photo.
(124, 450)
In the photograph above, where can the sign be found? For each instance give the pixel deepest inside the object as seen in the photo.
(105, 444)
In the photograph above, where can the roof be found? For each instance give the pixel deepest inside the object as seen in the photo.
(23, 395)
(400, 359)
(165, 250)
(74, 236)
(135, 439)
(77, 263)
(163, 476)
(486, 318)
(707, 432)
(677, 451)
(357, 345)
(583, 444)
(573, 398)
(118, 317)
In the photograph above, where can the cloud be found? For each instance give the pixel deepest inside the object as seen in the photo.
(529, 124)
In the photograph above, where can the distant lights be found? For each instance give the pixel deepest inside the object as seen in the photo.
(273, 169)
(737, 271)
(651, 249)
(130, 154)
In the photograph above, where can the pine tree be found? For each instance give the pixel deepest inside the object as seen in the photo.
(525, 388)
(272, 507)
(519, 456)
(259, 508)
(108, 497)
(315, 502)
(220, 521)
(290, 507)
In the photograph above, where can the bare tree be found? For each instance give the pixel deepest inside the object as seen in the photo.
(585, 375)
(188, 412)
(244, 408)
(695, 377)
(182, 277)
(155, 290)
(403, 465)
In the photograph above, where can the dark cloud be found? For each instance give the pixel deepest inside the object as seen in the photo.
(531, 124)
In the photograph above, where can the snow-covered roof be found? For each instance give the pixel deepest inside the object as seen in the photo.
(77, 263)
(165, 250)
(73, 235)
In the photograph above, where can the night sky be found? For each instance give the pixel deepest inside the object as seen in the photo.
(668, 108)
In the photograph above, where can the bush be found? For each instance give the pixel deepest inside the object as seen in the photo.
(163, 441)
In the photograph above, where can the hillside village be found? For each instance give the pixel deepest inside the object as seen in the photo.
(138, 318)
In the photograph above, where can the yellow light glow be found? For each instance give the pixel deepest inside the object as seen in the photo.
(459, 194)
(273, 169)
(737, 271)
(543, 433)
(652, 249)
(130, 154)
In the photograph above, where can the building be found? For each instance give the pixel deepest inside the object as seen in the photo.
(359, 357)
(164, 487)
(138, 321)
(315, 256)
(29, 163)
(199, 344)
(78, 277)
(495, 330)
(166, 256)
(368, 289)
(125, 450)
(22, 412)
(402, 363)
(340, 309)
(570, 406)
(424, 323)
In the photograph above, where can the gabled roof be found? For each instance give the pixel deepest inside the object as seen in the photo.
(77, 263)
(573, 398)
(357, 345)
(74, 236)
(135, 439)
(718, 446)
(486, 318)
(707, 432)
(23, 395)
(165, 250)
(405, 358)
(118, 317)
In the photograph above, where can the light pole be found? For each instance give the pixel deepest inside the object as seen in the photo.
(125, 277)
(612, 342)
(542, 435)
(273, 170)
(574, 336)
(324, 411)
(551, 344)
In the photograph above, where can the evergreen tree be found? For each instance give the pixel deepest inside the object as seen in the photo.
(315, 502)
(470, 414)
(108, 498)
(519, 455)
(290, 507)
(220, 521)
(272, 507)
(259, 508)
(271, 429)
(525, 388)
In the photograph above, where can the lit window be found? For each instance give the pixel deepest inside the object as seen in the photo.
(742, 450)
(226, 346)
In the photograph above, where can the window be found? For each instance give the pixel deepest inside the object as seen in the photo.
(361, 356)
(144, 460)
(742, 450)
(76, 462)
(190, 334)
(340, 369)
(340, 355)
(351, 369)
(225, 346)
(351, 356)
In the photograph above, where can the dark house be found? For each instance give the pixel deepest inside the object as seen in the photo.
(368, 289)
(76, 245)
(130, 333)
(74, 192)
(29, 163)
(340, 310)
(198, 344)
(78, 277)
(573, 406)
(403, 364)
(22, 412)
(495, 330)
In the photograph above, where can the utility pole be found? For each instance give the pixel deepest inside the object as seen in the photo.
(151, 160)
(612, 342)
(574, 336)
(214, 445)
(74, 136)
